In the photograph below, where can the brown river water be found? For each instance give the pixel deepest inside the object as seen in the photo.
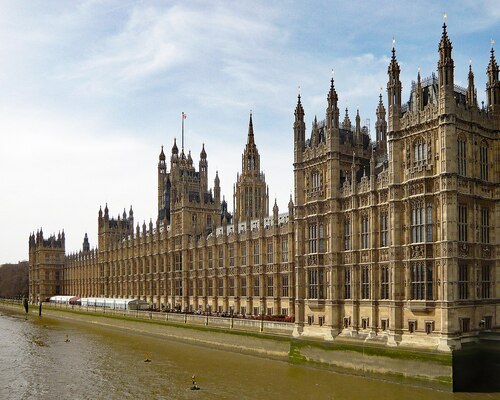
(36, 362)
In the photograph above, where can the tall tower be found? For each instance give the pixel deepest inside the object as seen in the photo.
(162, 174)
(46, 262)
(252, 200)
(299, 130)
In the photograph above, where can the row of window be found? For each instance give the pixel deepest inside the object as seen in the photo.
(420, 157)
(462, 159)
(421, 227)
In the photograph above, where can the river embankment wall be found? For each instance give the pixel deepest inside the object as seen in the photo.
(267, 339)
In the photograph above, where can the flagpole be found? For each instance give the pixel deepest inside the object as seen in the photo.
(182, 117)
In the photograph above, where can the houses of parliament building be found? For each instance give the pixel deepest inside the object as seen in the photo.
(396, 239)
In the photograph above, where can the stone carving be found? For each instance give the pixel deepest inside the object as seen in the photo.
(417, 251)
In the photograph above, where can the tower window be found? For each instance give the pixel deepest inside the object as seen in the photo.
(364, 232)
(421, 223)
(384, 283)
(347, 283)
(485, 225)
(463, 282)
(483, 162)
(383, 229)
(462, 223)
(420, 152)
(347, 234)
(421, 282)
(462, 157)
(365, 283)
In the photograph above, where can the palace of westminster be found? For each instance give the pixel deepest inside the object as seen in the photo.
(396, 239)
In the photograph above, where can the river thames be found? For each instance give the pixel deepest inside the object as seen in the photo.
(37, 362)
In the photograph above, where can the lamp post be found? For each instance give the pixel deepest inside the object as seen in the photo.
(262, 318)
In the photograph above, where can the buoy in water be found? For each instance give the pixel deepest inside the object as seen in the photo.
(147, 357)
(195, 385)
(67, 339)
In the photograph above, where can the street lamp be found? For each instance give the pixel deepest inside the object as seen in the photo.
(262, 318)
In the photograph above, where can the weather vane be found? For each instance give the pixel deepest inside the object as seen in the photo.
(444, 17)
(492, 41)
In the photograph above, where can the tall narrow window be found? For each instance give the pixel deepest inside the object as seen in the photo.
(428, 223)
(220, 291)
(364, 232)
(315, 181)
(462, 157)
(421, 223)
(365, 283)
(384, 283)
(270, 286)
(256, 252)
(210, 258)
(484, 283)
(231, 255)
(463, 282)
(243, 283)
(485, 225)
(256, 286)
(347, 234)
(462, 223)
(421, 282)
(221, 257)
(270, 251)
(347, 283)
(312, 238)
(420, 149)
(483, 162)
(315, 287)
(200, 259)
(243, 254)
(231, 286)
(383, 230)
(321, 238)
(284, 285)
(284, 250)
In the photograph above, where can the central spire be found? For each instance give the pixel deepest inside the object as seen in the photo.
(250, 130)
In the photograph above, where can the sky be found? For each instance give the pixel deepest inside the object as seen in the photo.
(91, 90)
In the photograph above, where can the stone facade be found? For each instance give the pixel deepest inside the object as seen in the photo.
(394, 240)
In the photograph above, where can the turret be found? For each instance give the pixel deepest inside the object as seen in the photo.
(275, 213)
(471, 89)
(359, 140)
(332, 112)
(174, 158)
(394, 93)
(217, 188)
(162, 172)
(347, 121)
(203, 165)
(493, 84)
(445, 74)
(299, 130)
(86, 245)
(381, 125)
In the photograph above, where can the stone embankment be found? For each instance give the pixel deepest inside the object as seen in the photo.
(266, 339)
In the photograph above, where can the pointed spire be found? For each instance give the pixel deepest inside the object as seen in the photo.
(471, 90)
(203, 153)
(124, 214)
(175, 150)
(299, 110)
(250, 130)
(162, 154)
